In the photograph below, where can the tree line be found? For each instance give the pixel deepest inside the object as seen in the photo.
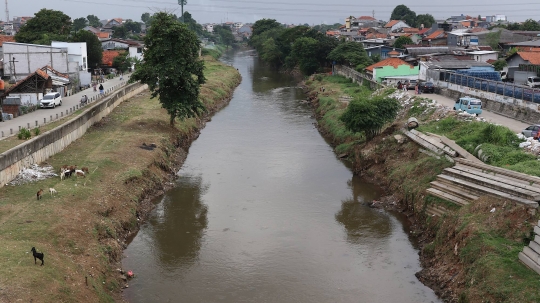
(304, 48)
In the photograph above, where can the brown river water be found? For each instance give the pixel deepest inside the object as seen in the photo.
(263, 211)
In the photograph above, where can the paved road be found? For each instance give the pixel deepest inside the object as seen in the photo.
(514, 125)
(68, 103)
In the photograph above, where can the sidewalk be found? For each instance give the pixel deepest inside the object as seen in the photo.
(515, 125)
(69, 105)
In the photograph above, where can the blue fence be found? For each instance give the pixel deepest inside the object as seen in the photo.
(492, 85)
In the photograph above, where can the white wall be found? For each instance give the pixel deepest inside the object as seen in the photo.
(134, 52)
(31, 98)
(77, 52)
(30, 57)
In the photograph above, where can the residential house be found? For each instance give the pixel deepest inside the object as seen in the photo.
(432, 67)
(91, 29)
(436, 38)
(108, 58)
(209, 28)
(484, 56)
(528, 57)
(394, 25)
(375, 42)
(4, 38)
(136, 51)
(383, 51)
(245, 31)
(461, 38)
(112, 23)
(104, 35)
(391, 68)
(109, 44)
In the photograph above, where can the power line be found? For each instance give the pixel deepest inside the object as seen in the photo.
(267, 10)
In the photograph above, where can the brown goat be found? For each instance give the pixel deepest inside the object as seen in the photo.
(85, 169)
(39, 193)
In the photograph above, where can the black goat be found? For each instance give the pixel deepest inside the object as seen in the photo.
(37, 256)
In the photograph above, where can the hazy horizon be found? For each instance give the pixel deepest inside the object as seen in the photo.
(315, 12)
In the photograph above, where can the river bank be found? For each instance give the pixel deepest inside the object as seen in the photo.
(132, 156)
(468, 255)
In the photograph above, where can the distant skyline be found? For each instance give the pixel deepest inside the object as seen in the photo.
(290, 12)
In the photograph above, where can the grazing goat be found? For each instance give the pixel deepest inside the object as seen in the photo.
(79, 172)
(52, 191)
(39, 193)
(85, 169)
(37, 256)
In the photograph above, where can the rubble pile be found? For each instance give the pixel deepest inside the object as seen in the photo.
(530, 145)
(32, 174)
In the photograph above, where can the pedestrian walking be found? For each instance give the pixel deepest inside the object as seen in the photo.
(405, 86)
(101, 90)
(102, 78)
(399, 85)
(94, 85)
(416, 89)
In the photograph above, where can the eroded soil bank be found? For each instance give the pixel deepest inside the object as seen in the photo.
(132, 156)
(468, 255)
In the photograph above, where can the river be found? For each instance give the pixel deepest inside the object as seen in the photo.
(263, 211)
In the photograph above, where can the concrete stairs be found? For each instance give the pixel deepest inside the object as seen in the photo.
(470, 178)
(530, 255)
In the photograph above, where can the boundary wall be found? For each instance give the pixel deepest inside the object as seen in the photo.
(40, 148)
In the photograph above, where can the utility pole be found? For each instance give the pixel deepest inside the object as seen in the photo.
(12, 63)
(373, 13)
(181, 2)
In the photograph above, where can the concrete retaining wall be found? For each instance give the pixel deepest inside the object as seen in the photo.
(355, 76)
(40, 148)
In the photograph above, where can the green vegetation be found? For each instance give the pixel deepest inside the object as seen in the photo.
(402, 12)
(499, 145)
(369, 115)
(174, 78)
(350, 54)
(24, 134)
(402, 41)
(289, 48)
(46, 26)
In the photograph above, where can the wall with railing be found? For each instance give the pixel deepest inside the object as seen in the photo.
(356, 76)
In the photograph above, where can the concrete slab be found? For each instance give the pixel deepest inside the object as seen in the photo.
(498, 170)
(529, 262)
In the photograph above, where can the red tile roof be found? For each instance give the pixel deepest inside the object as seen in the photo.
(532, 57)
(4, 38)
(436, 34)
(528, 49)
(38, 72)
(410, 30)
(103, 35)
(376, 36)
(367, 18)
(108, 57)
(423, 31)
(391, 23)
(491, 61)
(395, 62)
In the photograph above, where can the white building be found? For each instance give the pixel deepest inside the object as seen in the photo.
(210, 28)
(77, 52)
(21, 60)
(136, 51)
(484, 56)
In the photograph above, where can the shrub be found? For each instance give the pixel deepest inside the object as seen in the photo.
(24, 134)
(37, 131)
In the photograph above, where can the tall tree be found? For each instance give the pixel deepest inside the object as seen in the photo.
(304, 53)
(145, 17)
(402, 41)
(47, 25)
(79, 24)
(494, 38)
(120, 32)
(530, 25)
(172, 68)
(132, 26)
(426, 19)
(93, 21)
(192, 24)
(350, 53)
(93, 47)
(225, 34)
(122, 62)
(260, 26)
(402, 12)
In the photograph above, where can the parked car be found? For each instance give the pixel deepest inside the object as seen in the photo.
(427, 87)
(469, 105)
(51, 100)
(531, 131)
(533, 82)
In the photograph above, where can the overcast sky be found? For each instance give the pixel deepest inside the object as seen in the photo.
(285, 11)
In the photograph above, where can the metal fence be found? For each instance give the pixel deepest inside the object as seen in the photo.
(444, 78)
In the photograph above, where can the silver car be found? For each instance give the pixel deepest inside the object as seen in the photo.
(531, 131)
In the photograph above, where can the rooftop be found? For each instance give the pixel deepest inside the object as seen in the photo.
(394, 62)
(532, 57)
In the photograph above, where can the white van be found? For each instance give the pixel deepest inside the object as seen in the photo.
(51, 100)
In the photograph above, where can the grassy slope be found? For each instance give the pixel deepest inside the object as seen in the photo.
(77, 229)
(486, 267)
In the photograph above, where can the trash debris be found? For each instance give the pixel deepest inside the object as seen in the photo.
(33, 173)
(492, 210)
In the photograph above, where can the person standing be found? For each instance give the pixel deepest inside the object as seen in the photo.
(416, 89)
(101, 90)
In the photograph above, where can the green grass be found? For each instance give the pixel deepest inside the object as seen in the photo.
(499, 145)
